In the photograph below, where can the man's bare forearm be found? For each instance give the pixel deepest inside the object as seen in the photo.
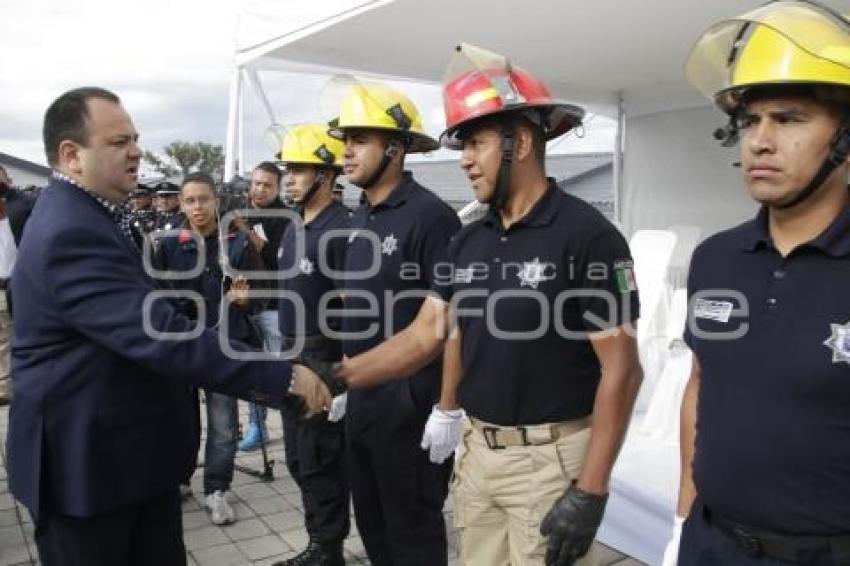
(452, 372)
(612, 411)
(404, 353)
(398, 357)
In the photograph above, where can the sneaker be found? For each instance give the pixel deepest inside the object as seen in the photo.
(254, 438)
(221, 513)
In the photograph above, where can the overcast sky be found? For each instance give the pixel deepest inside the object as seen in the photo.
(170, 62)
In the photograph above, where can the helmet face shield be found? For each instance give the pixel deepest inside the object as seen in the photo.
(479, 83)
(363, 104)
(468, 58)
(784, 42)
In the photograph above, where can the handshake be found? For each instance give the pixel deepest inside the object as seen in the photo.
(318, 386)
(321, 388)
(314, 382)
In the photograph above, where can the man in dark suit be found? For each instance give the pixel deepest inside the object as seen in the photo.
(102, 429)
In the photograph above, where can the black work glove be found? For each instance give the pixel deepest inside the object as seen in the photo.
(325, 371)
(571, 525)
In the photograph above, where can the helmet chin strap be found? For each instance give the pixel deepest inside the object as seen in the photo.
(314, 187)
(390, 151)
(839, 149)
(500, 195)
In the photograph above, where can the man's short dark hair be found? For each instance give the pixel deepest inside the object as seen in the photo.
(269, 167)
(66, 118)
(198, 177)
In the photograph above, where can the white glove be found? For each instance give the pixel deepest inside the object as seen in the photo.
(442, 433)
(671, 551)
(337, 410)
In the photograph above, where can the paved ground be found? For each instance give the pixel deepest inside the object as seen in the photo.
(270, 525)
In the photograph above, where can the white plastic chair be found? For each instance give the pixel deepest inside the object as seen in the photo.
(652, 251)
(661, 421)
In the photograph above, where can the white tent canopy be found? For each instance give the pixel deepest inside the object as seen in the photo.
(587, 51)
(621, 59)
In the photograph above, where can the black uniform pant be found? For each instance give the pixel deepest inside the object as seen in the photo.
(150, 532)
(315, 457)
(398, 493)
(703, 544)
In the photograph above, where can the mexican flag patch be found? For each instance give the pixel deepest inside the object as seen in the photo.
(624, 271)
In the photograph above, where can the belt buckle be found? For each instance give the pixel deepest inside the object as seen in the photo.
(749, 545)
(489, 433)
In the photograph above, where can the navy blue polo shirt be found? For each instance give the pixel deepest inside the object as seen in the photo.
(527, 298)
(313, 278)
(405, 239)
(773, 417)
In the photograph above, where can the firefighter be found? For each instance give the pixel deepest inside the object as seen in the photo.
(314, 447)
(765, 443)
(399, 235)
(543, 359)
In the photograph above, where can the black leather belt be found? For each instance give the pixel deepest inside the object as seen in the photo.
(757, 543)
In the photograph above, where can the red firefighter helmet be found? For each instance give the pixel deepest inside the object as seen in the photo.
(481, 83)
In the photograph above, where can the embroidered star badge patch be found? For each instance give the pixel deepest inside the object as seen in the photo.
(305, 266)
(839, 343)
(533, 272)
(389, 245)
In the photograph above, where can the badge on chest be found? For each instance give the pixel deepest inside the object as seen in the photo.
(719, 311)
(839, 342)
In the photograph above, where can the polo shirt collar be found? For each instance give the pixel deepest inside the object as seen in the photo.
(756, 233)
(834, 241)
(324, 216)
(541, 214)
(397, 196)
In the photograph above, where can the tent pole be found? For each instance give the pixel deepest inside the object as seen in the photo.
(254, 78)
(240, 138)
(232, 125)
(619, 144)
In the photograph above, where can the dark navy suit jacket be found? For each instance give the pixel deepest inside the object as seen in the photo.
(102, 415)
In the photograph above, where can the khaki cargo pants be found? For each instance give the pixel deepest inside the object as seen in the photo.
(501, 495)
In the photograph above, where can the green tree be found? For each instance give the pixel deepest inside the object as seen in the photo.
(182, 158)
